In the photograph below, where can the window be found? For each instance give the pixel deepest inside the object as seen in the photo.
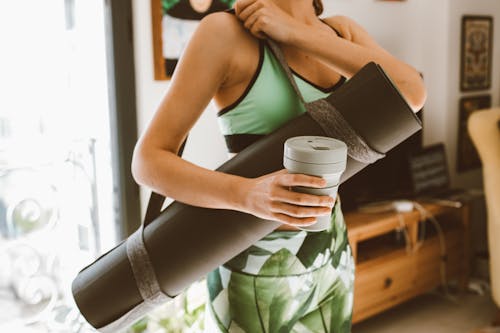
(56, 182)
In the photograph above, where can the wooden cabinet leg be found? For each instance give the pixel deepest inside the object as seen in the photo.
(466, 264)
(413, 233)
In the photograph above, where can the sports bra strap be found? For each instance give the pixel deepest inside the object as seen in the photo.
(325, 113)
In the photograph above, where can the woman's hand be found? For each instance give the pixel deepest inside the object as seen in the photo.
(263, 18)
(269, 197)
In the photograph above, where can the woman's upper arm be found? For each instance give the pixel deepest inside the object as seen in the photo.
(407, 77)
(352, 31)
(200, 72)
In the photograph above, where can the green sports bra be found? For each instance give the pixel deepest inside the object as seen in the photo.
(268, 102)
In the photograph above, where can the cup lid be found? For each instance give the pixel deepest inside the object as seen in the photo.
(315, 150)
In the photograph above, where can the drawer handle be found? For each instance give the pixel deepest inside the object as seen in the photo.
(387, 283)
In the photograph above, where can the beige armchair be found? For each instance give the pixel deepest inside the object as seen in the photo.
(484, 130)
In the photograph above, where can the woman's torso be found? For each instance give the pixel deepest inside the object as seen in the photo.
(245, 65)
(313, 272)
(258, 98)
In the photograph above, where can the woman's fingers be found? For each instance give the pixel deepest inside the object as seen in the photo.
(256, 30)
(299, 211)
(249, 10)
(251, 20)
(255, 23)
(254, 14)
(298, 179)
(265, 19)
(303, 199)
(241, 5)
(294, 221)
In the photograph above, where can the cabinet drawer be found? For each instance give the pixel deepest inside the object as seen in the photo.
(379, 282)
(428, 259)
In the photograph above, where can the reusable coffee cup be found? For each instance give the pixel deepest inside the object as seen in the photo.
(319, 156)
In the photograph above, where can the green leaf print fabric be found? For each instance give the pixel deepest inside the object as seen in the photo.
(289, 281)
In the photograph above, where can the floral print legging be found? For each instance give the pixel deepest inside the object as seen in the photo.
(289, 281)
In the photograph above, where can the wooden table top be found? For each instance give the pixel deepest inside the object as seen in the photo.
(362, 225)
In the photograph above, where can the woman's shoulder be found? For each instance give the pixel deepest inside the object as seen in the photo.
(223, 29)
(225, 26)
(215, 38)
(342, 24)
(350, 30)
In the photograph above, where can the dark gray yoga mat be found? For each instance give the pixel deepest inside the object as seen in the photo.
(186, 242)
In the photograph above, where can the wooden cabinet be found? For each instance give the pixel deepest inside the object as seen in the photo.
(396, 260)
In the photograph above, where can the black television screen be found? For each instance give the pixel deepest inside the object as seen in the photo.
(388, 178)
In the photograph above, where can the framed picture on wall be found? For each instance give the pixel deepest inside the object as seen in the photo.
(174, 22)
(476, 53)
(467, 156)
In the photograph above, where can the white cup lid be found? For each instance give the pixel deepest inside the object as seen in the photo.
(316, 150)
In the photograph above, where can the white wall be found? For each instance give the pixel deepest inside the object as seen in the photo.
(423, 33)
(399, 28)
(457, 9)
(427, 35)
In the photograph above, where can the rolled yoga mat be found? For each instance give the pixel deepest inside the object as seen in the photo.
(186, 242)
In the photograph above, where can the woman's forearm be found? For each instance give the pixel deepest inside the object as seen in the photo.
(166, 173)
(346, 58)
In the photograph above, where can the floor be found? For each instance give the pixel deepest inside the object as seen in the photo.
(433, 313)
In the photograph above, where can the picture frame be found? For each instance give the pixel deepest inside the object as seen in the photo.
(476, 53)
(467, 156)
(173, 23)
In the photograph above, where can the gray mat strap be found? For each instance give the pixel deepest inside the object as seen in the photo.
(143, 270)
(330, 119)
(281, 58)
(146, 282)
(335, 125)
